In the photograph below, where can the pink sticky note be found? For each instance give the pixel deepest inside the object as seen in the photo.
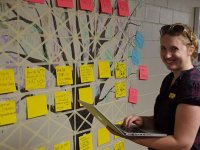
(143, 72)
(106, 6)
(123, 8)
(36, 1)
(86, 5)
(133, 95)
(65, 3)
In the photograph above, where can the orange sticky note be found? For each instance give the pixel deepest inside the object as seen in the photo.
(86, 5)
(143, 72)
(133, 95)
(36, 1)
(65, 3)
(106, 6)
(123, 8)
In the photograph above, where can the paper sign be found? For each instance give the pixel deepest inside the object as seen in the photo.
(63, 101)
(86, 5)
(123, 8)
(103, 136)
(120, 70)
(85, 94)
(7, 81)
(36, 1)
(133, 95)
(64, 75)
(139, 39)
(86, 73)
(35, 78)
(120, 89)
(143, 73)
(8, 112)
(85, 142)
(119, 146)
(65, 3)
(104, 69)
(106, 6)
(36, 106)
(62, 146)
(136, 56)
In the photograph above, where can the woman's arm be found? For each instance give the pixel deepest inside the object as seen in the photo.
(186, 127)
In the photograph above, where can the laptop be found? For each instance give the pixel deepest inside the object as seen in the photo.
(133, 131)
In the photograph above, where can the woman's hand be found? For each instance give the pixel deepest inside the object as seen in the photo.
(128, 121)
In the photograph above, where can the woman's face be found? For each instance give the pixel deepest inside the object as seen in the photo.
(174, 53)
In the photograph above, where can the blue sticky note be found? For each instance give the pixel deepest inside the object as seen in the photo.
(139, 39)
(136, 56)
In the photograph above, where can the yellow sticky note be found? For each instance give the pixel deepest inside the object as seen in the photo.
(35, 78)
(106, 148)
(41, 148)
(120, 89)
(120, 70)
(119, 145)
(86, 73)
(62, 146)
(64, 75)
(103, 136)
(63, 101)
(8, 112)
(36, 106)
(104, 69)
(7, 81)
(85, 142)
(85, 94)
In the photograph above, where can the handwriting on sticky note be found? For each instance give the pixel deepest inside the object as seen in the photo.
(120, 70)
(63, 101)
(104, 69)
(103, 136)
(133, 95)
(7, 81)
(35, 78)
(119, 145)
(36, 1)
(86, 5)
(143, 72)
(65, 3)
(85, 94)
(123, 7)
(8, 112)
(86, 73)
(85, 142)
(106, 6)
(120, 89)
(36, 106)
(64, 75)
(62, 146)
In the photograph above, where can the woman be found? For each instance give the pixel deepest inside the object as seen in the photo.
(177, 107)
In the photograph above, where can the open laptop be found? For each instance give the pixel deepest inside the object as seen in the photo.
(134, 131)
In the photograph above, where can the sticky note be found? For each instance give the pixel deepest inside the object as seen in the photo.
(143, 72)
(104, 69)
(136, 56)
(120, 89)
(106, 148)
(36, 1)
(8, 112)
(35, 78)
(103, 136)
(86, 73)
(119, 145)
(64, 75)
(7, 81)
(106, 6)
(63, 101)
(85, 94)
(85, 142)
(41, 148)
(62, 146)
(86, 5)
(120, 70)
(133, 95)
(65, 3)
(123, 8)
(139, 39)
(36, 106)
